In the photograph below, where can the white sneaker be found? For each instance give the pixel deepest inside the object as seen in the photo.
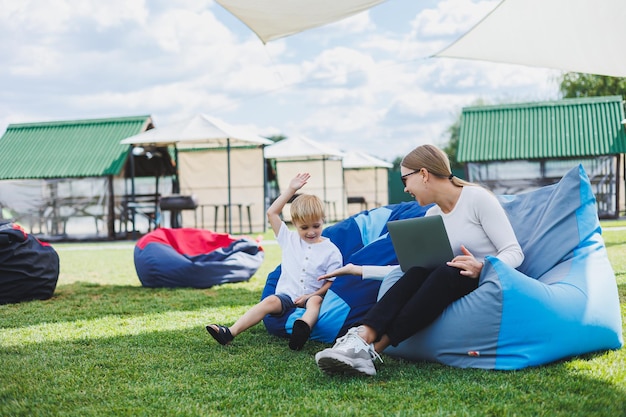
(350, 355)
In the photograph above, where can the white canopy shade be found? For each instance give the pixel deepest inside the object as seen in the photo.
(573, 35)
(301, 154)
(357, 159)
(203, 132)
(366, 181)
(300, 147)
(207, 131)
(273, 19)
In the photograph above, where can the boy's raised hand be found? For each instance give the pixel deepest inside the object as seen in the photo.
(299, 180)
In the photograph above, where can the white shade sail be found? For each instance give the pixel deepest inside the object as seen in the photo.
(572, 35)
(273, 19)
(203, 130)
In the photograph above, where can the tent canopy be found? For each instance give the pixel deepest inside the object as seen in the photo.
(299, 147)
(202, 174)
(366, 181)
(273, 19)
(205, 132)
(358, 159)
(301, 154)
(201, 130)
(572, 35)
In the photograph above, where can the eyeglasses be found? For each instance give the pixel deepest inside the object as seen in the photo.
(403, 177)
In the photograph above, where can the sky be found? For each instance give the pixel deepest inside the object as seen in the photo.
(366, 83)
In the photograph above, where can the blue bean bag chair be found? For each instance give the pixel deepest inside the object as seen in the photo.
(362, 239)
(561, 302)
(186, 257)
(29, 268)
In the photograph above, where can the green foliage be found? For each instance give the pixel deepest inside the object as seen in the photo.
(453, 146)
(105, 346)
(396, 163)
(575, 84)
(450, 149)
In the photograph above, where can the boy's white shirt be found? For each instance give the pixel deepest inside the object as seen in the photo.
(302, 263)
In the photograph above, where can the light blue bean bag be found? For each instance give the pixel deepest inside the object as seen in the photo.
(561, 302)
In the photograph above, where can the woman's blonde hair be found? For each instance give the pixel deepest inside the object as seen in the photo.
(434, 160)
(306, 207)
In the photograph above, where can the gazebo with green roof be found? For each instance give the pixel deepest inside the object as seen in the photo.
(518, 147)
(53, 172)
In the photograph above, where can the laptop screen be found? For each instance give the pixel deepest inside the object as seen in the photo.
(420, 241)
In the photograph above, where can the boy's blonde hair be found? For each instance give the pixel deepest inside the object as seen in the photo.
(307, 207)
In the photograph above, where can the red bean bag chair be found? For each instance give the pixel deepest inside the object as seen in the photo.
(195, 258)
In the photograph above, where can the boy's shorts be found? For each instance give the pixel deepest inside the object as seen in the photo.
(286, 303)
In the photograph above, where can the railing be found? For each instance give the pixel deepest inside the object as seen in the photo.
(227, 226)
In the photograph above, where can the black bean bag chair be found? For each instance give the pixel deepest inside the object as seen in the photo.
(29, 269)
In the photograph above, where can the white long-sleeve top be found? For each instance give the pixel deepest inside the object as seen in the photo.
(478, 222)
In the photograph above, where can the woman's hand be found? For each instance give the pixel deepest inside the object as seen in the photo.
(347, 269)
(468, 265)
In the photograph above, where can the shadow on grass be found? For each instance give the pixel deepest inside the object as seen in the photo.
(187, 373)
(84, 301)
(613, 244)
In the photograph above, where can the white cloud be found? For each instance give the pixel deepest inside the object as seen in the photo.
(358, 23)
(450, 18)
(337, 65)
(366, 82)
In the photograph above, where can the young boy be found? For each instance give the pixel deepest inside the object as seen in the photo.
(306, 255)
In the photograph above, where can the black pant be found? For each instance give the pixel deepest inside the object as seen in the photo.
(416, 300)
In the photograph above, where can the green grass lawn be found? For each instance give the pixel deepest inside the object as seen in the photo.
(105, 346)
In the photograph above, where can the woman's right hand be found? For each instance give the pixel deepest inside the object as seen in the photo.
(347, 269)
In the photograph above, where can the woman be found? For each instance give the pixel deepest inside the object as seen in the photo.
(477, 226)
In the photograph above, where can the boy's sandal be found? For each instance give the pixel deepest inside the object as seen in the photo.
(222, 334)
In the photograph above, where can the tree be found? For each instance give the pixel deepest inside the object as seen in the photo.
(576, 84)
(453, 145)
(396, 163)
(454, 134)
(450, 148)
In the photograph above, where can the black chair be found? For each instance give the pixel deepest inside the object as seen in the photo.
(175, 204)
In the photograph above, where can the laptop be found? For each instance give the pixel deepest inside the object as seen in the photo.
(420, 241)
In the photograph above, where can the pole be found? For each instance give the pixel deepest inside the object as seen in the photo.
(132, 190)
(230, 223)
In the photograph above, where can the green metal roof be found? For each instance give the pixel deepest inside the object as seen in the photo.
(79, 148)
(567, 128)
